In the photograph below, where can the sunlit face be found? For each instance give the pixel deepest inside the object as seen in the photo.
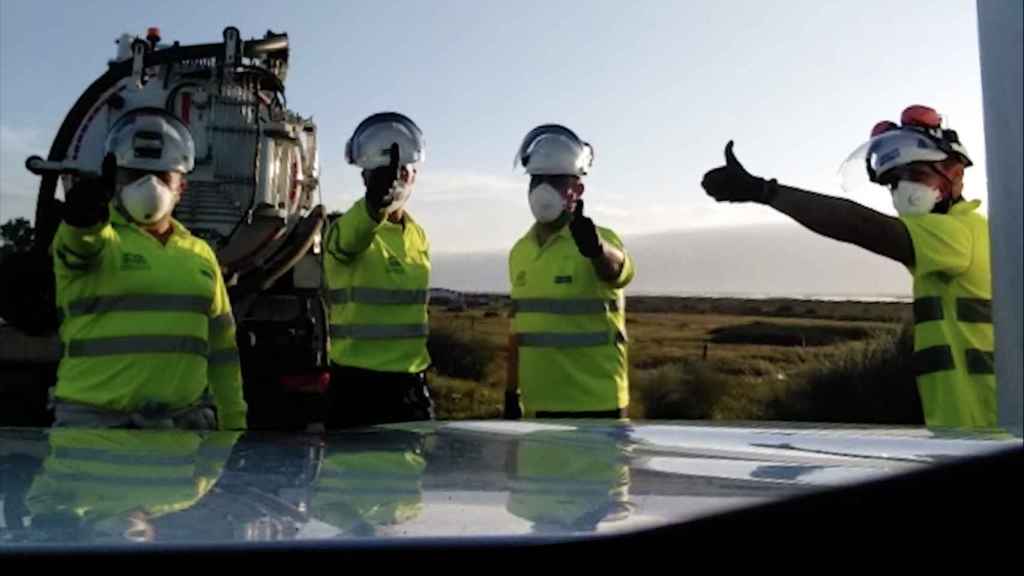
(947, 176)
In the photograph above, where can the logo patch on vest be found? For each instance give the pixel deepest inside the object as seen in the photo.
(520, 279)
(563, 279)
(395, 265)
(131, 261)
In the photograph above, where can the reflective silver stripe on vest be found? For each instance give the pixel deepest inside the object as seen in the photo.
(137, 345)
(367, 490)
(221, 324)
(224, 357)
(563, 340)
(927, 309)
(140, 303)
(974, 310)
(183, 481)
(560, 306)
(377, 477)
(563, 486)
(379, 331)
(979, 361)
(133, 458)
(387, 296)
(378, 296)
(933, 359)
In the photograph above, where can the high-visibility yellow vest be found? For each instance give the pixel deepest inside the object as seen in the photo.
(145, 325)
(953, 337)
(378, 276)
(570, 326)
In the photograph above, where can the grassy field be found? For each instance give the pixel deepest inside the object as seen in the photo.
(706, 358)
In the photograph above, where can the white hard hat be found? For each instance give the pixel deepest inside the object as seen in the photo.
(151, 139)
(553, 149)
(867, 166)
(901, 147)
(371, 142)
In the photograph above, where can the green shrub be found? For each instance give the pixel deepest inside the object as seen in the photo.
(456, 356)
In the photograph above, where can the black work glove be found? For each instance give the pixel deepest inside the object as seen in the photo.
(732, 182)
(584, 232)
(513, 410)
(85, 205)
(381, 182)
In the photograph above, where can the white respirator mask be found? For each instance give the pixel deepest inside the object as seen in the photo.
(913, 198)
(147, 200)
(546, 203)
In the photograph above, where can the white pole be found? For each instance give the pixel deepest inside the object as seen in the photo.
(999, 39)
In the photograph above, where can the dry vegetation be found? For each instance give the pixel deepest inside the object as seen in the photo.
(707, 358)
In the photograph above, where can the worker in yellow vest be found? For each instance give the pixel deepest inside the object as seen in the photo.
(938, 235)
(377, 271)
(147, 332)
(567, 350)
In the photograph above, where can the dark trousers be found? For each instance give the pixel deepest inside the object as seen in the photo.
(359, 397)
(618, 413)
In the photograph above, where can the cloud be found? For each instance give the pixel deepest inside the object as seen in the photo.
(760, 260)
(16, 141)
(458, 186)
(603, 209)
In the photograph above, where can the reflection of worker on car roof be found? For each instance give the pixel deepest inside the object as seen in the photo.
(110, 484)
(567, 351)
(147, 329)
(938, 236)
(568, 486)
(370, 482)
(377, 271)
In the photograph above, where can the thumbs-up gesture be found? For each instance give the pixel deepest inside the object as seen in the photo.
(732, 182)
(584, 232)
(380, 184)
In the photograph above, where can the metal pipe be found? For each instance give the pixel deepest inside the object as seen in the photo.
(999, 38)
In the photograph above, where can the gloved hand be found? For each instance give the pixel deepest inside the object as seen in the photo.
(584, 232)
(86, 203)
(197, 419)
(381, 182)
(732, 182)
(513, 409)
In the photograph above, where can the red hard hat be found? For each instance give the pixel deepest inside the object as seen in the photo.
(883, 127)
(923, 116)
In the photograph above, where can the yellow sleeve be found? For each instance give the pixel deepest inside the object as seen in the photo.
(352, 233)
(224, 370)
(628, 270)
(941, 244)
(76, 249)
(511, 280)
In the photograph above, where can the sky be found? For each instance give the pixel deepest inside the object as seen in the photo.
(657, 87)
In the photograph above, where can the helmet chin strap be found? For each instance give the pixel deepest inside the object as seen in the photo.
(942, 206)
